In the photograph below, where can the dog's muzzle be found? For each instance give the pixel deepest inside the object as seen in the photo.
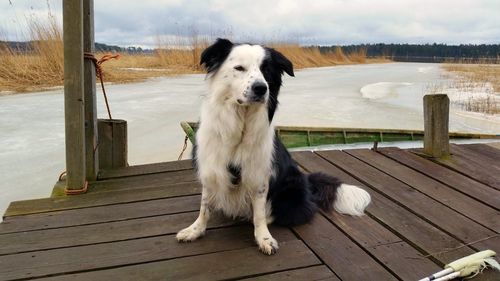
(259, 91)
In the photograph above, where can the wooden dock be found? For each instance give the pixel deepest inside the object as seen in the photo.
(424, 214)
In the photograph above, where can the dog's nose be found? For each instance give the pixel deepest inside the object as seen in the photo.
(259, 89)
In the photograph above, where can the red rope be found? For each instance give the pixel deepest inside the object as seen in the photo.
(99, 72)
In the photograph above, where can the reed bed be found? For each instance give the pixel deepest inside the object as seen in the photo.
(40, 66)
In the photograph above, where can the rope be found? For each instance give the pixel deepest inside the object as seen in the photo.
(183, 148)
(99, 72)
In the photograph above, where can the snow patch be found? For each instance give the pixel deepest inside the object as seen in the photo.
(382, 89)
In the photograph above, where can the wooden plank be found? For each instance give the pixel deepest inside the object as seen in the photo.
(397, 255)
(468, 168)
(103, 232)
(318, 272)
(74, 94)
(92, 257)
(485, 149)
(92, 199)
(485, 161)
(495, 145)
(152, 180)
(146, 169)
(339, 253)
(415, 230)
(101, 214)
(459, 202)
(455, 180)
(436, 119)
(242, 263)
(91, 153)
(454, 223)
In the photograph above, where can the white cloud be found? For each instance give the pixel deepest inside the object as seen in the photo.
(312, 22)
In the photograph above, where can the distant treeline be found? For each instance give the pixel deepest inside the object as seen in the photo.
(490, 51)
(99, 47)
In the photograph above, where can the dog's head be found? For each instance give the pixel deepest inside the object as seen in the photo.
(245, 74)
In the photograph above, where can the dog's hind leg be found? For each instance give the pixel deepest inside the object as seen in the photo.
(197, 229)
(267, 244)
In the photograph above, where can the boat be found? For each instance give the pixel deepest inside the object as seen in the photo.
(293, 137)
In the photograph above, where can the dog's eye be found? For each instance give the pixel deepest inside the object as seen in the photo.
(239, 68)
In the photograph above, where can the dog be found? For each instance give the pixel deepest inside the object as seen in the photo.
(244, 168)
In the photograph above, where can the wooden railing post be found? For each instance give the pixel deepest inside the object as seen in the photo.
(74, 94)
(91, 152)
(436, 119)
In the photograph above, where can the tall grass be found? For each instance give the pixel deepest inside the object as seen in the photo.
(41, 66)
(469, 80)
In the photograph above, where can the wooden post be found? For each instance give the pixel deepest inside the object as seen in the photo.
(112, 143)
(91, 157)
(74, 94)
(436, 119)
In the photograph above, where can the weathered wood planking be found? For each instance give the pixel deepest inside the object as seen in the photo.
(453, 179)
(440, 215)
(416, 231)
(139, 170)
(469, 168)
(142, 181)
(101, 214)
(98, 256)
(328, 242)
(103, 232)
(215, 266)
(459, 202)
(485, 149)
(92, 199)
(319, 272)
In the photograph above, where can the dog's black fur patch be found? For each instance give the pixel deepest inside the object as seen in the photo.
(234, 173)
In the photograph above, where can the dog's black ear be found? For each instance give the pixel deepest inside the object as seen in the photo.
(283, 63)
(213, 56)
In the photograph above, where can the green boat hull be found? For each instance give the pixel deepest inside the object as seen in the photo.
(315, 136)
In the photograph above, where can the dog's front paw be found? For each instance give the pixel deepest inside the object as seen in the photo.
(189, 234)
(268, 245)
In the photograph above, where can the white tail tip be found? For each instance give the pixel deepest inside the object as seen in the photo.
(351, 200)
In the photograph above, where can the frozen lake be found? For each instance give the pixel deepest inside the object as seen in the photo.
(363, 96)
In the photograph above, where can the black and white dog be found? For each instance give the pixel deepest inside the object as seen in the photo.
(244, 168)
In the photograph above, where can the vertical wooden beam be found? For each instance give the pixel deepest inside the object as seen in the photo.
(436, 119)
(91, 157)
(73, 94)
(113, 148)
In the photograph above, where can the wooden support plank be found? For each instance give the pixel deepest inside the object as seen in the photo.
(436, 119)
(459, 202)
(446, 176)
(103, 232)
(91, 153)
(415, 230)
(452, 222)
(339, 253)
(243, 263)
(319, 272)
(93, 257)
(92, 199)
(139, 170)
(101, 214)
(74, 94)
(151, 180)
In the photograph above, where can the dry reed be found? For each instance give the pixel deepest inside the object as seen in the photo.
(41, 66)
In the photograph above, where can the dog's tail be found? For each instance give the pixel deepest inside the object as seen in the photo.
(329, 192)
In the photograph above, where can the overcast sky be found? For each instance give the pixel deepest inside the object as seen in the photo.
(325, 22)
